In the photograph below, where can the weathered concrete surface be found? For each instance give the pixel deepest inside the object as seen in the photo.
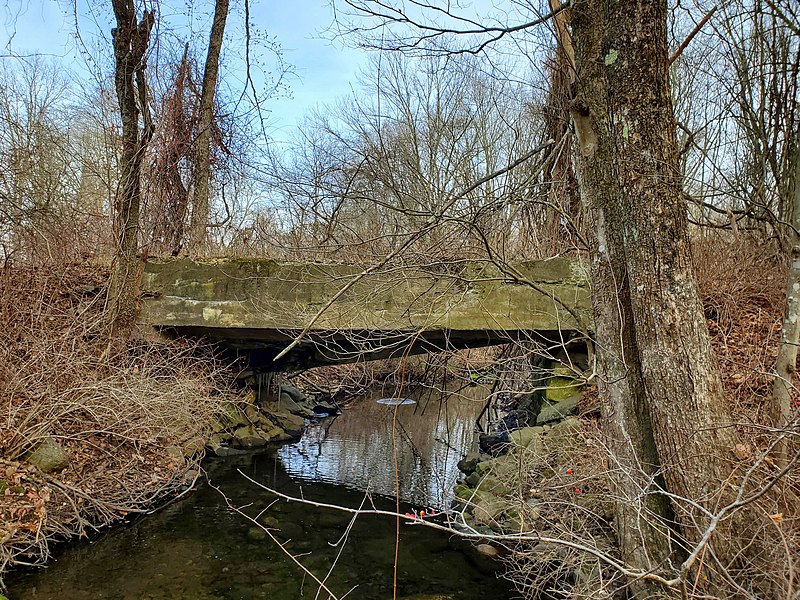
(256, 303)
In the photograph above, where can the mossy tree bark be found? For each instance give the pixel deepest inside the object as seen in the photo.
(659, 382)
(131, 38)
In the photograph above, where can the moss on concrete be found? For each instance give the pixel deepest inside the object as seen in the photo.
(265, 294)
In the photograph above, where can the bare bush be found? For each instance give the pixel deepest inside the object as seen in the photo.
(133, 423)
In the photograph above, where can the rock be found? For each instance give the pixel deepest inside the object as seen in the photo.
(193, 445)
(215, 440)
(487, 550)
(487, 508)
(472, 480)
(283, 418)
(532, 509)
(559, 410)
(257, 534)
(562, 385)
(324, 407)
(484, 557)
(467, 464)
(565, 435)
(293, 392)
(504, 467)
(248, 437)
(49, 456)
(291, 531)
(269, 522)
(246, 376)
(288, 403)
(276, 434)
(463, 493)
(484, 467)
(493, 444)
(493, 486)
(255, 416)
(229, 417)
(223, 451)
(514, 420)
(525, 436)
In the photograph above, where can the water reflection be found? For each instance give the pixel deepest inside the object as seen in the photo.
(198, 549)
(355, 449)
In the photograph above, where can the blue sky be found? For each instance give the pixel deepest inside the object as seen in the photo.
(324, 70)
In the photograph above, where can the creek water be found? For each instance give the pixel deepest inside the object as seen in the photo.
(199, 548)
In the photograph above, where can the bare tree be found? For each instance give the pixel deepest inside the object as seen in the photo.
(131, 38)
(202, 173)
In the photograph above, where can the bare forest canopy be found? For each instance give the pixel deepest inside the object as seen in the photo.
(366, 172)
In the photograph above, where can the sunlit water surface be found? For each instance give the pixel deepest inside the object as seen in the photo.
(198, 548)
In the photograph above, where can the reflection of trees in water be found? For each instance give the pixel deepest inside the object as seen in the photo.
(355, 449)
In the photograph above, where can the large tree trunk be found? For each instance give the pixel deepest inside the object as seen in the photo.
(202, 169)
(659, 382)
(131, 39)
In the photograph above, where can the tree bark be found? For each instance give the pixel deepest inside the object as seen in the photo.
(131, 39)
(660, 386)
(786, 363)
(202, 169)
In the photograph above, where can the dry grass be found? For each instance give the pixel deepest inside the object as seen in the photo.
(133, 421)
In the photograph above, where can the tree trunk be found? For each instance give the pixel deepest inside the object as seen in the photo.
(202, 169)
(786, 363)
(131, 39)
(564, 212)
(659, 382)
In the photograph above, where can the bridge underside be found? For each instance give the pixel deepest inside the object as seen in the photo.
(260, 347)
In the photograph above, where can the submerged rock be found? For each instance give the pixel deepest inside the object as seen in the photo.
(257, 534)
(49, 456)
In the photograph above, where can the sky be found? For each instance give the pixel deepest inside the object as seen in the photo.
(322, 70)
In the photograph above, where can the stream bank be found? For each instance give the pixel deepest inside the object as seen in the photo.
(199, 548)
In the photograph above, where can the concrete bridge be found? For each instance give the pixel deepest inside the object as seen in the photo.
(257, 306)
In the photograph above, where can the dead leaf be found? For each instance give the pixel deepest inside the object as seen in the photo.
(742, 451)
(777, 518)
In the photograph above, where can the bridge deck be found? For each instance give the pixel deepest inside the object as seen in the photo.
(257, 305)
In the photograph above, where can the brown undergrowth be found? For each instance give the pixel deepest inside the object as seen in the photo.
(132, 422)
(743, 295)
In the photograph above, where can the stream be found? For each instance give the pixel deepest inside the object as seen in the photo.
(198, 548)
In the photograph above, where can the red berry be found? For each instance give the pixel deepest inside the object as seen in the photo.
(577, 490)
(569, 471)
